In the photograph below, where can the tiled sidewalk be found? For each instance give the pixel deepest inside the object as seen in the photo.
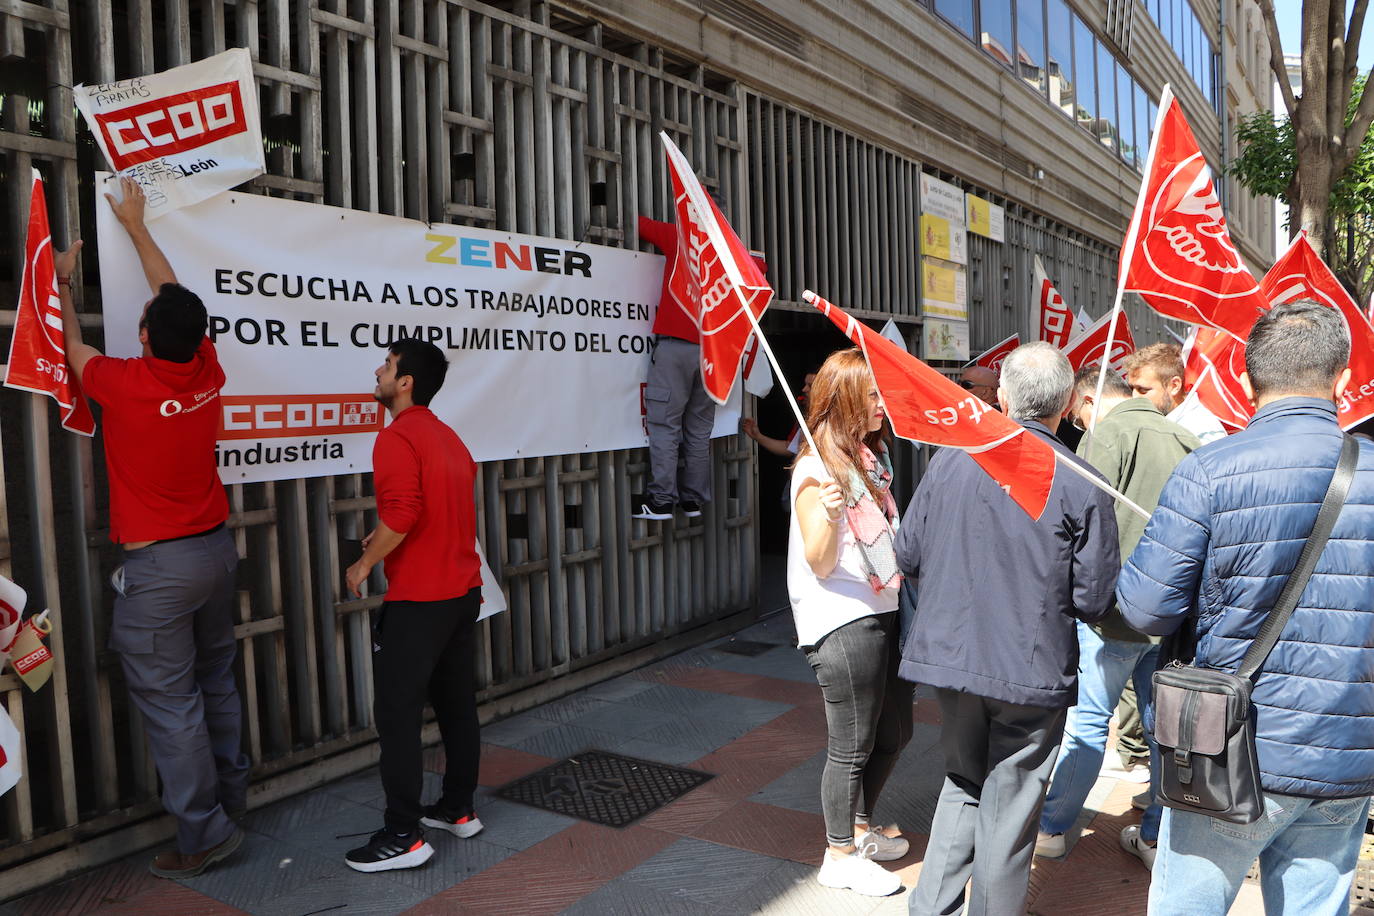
(749, 840)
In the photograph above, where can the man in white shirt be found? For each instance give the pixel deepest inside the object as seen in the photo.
(1156, 372)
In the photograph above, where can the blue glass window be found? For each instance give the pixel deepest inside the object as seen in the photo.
(1030, 43)
(1106, 98)
(996, 22)
(958, 12)
(1059, 26)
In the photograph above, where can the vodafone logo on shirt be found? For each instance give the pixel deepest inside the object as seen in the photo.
(173, 406)
(171, 124)
(271, 416)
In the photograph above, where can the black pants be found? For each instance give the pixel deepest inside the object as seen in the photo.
(424, 650)
(867, 716)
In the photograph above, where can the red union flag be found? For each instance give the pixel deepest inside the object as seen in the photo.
(38, 352)
(1178, 253)
(715, 271)
(993, 358)
(1300, 274)
(1212, 364)
(1053, 320)
(924, 406)
(1090, 345)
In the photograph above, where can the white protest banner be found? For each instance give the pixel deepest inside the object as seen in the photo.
(548, 340)
(185, 134)
(493, 599)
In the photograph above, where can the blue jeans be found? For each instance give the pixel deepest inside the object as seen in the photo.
(1103, 667)
(1307, 849)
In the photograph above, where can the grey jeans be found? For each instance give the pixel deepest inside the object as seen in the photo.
(867, 718)
(679, 415)
(998, 758)
(174, 631)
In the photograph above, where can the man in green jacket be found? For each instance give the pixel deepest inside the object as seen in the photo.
(1136, 449)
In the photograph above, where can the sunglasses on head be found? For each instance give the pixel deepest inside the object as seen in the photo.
(967, 385)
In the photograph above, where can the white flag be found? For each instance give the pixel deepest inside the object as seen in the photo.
(11, 753)
(1084, 319)
(758, 375)
(493, 599)
(184, 134)
(894, 334)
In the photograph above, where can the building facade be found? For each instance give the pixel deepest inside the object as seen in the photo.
(814, 122)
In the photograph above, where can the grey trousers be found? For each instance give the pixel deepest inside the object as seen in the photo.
(680, 415)
(174, 631)
(998, 758)
(867, 717)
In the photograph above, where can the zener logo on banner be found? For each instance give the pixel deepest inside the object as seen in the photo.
(184, 135)
(548, 340)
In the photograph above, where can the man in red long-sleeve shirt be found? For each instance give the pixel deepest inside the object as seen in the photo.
(426, 532)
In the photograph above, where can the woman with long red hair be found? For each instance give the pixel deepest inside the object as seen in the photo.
(843, 581)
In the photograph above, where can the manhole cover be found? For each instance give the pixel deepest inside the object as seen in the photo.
(604, 788)
(744, 647)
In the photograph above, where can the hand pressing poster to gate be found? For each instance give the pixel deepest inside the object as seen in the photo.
(548, 340)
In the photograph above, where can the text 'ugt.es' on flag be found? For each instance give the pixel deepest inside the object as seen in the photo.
(1301, 274)
(715, 271)
(924, 406)
(1178, 254)
(38, 350)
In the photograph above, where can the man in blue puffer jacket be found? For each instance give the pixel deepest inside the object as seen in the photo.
(1230, 524)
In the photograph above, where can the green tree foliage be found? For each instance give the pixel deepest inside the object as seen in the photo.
(1268, 165)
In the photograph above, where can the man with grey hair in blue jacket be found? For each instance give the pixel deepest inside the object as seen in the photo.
(1230, 525)
(997, 597)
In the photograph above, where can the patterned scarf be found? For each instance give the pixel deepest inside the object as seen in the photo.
(871, 523)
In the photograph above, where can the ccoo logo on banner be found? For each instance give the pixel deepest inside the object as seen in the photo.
(183, 135)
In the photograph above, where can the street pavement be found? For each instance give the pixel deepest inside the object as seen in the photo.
(748, 841)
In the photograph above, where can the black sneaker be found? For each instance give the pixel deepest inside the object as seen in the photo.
(387, 851)
(690, 509)
(460, 825)
(652, 509)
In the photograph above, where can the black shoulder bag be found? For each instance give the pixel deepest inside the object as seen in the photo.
(1204, 718)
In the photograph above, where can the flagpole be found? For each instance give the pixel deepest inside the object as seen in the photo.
(1067, 462)
(708, 222)
(1128, 251)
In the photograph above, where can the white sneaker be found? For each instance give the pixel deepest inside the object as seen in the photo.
(858, 873)
(885, 848)
(1132, 843)
(1050, 845)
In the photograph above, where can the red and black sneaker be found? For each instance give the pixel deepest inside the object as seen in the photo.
(387, 851)
(460, 825)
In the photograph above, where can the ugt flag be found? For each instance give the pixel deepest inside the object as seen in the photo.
(1300, 274)
(1178, 253)
(38, 351)
(714, 270)
(1090, 346)
(1212, 364)
(993, 358)
(924, 406)
(1053, 320)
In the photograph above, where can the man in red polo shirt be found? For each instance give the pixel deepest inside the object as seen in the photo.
(423, 643)
(173, 623)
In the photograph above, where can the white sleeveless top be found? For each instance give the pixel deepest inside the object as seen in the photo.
(821, 606)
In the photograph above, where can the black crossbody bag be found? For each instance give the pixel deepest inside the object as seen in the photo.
(1204, 718)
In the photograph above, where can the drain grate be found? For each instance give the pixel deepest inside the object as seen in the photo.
(744, 647)
(604, 788)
